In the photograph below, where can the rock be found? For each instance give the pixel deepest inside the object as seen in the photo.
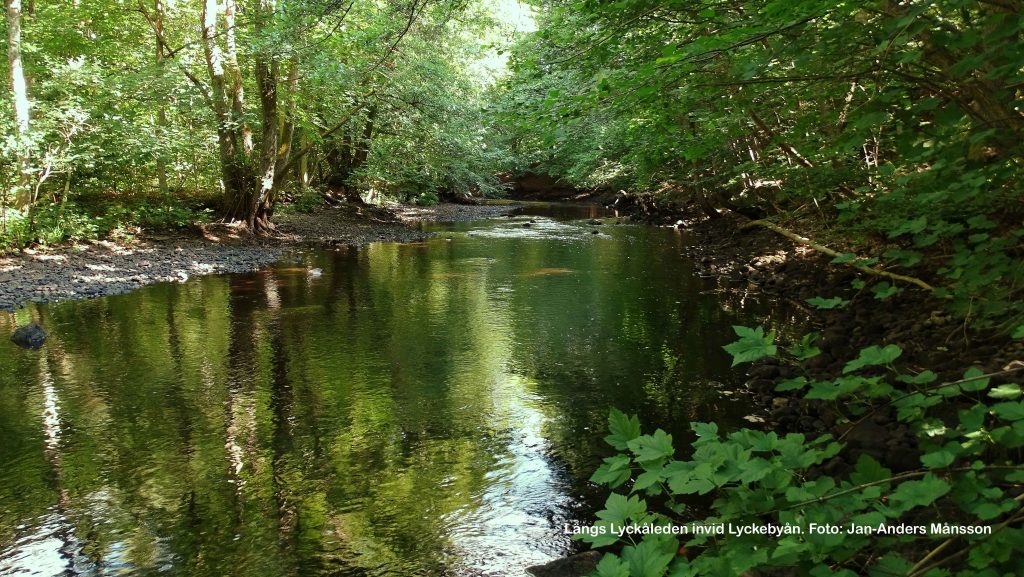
(575, 566)
(30, 336)
(595, 222)
(594, 232)
(764, 372)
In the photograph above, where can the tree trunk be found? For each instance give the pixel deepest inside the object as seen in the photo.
(287, 124)
(235, 172)
(235, 72)
(19, 95)
(304, 175)
(362, 147)
(266, 79)
(161, 113)
(266, 69)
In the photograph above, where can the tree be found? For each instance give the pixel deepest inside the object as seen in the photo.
(19, 96)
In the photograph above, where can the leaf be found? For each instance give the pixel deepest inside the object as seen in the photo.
(868, 470)
(826, 304)
(986, 511)
(1009, 411)
(756, 469)
(976, 384)
(752, 345)
(791, 384)
(612, 566)
(873, 356)
(614, 472)
(904, 257)
(624, 429)
(920, 493)
(654, 447)
(1018, 333)
(705, 429)
(1008, 391)
(805, 349)
(618, 509)
(939, 459)
(884, 290)
(909, 227)
(651, 557)
(647, 479)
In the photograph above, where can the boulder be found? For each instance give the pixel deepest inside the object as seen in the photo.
(30, 336)
(579, 565)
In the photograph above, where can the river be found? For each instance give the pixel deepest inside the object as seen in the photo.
(429, 409)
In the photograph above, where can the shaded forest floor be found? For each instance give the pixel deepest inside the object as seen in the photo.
(758, 260)
(101, 267)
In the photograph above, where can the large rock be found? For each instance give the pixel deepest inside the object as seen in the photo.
(30, 336)
(579, 565)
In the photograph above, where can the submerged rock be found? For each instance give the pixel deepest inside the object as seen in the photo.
(578, 565)
(30, 336)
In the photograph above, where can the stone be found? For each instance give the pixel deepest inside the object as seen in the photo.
(578, 565)
(30, 336)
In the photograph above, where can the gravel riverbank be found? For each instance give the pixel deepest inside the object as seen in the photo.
(101, 268)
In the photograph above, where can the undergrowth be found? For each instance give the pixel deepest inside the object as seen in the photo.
(956, 512)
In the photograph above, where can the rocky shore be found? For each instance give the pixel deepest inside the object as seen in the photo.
(101, 268)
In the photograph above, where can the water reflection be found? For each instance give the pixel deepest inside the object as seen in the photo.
(422, 409)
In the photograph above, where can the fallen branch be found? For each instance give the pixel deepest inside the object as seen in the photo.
(825, 250)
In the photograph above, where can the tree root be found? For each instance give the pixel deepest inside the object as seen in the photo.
(825, 250)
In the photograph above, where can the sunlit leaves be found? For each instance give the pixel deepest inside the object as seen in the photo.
(753, 344)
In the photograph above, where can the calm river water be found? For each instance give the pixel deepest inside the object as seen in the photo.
(416, 409)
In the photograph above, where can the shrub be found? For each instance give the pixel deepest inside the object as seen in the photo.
(969, 477)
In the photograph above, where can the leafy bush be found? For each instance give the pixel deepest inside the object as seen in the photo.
(307, 200)
(426, 199)
(969, 477)
(51, 223)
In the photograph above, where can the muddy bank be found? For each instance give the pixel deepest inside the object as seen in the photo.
(101, 268)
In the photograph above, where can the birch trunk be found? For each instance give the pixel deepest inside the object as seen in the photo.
(19, 95)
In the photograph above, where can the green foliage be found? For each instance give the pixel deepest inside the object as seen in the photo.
(307, 200)
(382, 98)
(899, 123)
(426, 199)
(823, 303)
(51, 224)
(761, 478)
(752, 345)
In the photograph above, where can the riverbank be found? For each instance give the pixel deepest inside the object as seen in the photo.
(102, 268)
(913, 319)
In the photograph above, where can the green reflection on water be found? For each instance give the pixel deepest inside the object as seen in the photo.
(419, 409)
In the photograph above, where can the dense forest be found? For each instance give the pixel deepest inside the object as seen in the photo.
(887, 135)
